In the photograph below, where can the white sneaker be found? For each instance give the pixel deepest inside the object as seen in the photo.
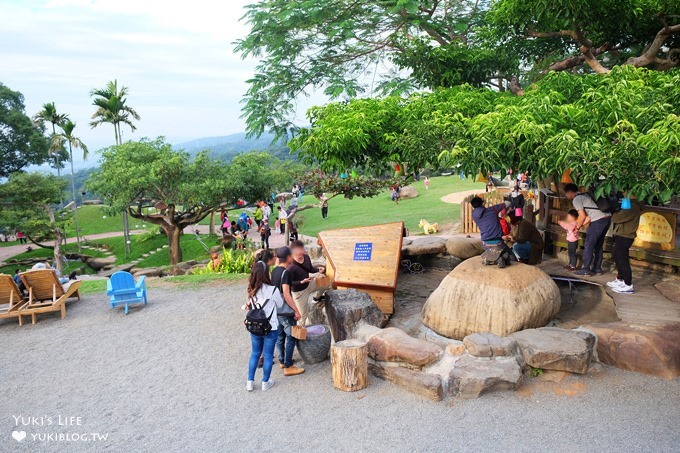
(249, 385)
(267, 385)
(615, 283)
(623, 289)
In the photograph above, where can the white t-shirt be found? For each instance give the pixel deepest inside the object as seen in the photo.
(275, 300)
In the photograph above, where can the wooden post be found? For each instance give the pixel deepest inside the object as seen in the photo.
(349, 364)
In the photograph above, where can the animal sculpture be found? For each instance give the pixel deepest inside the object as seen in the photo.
(428, 228)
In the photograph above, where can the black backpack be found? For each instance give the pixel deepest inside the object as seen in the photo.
(257, 321)
(607, 204)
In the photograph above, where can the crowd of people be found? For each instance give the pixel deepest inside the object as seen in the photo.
(504, 226)
(284, 286)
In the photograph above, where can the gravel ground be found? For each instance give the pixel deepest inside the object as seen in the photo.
(170, 377)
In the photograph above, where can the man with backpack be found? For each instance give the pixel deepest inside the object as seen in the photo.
(288, 313)
(600, 220)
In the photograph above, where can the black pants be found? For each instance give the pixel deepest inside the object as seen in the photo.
(324, 212)
(571, 250)
(622, 258)
(592, 247)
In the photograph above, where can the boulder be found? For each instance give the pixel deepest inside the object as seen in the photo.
(670, 290)
(315, 252)
(216, 249)
(464, 248)
(408, 192)
(100, 263)
(475, 298)
(149, 272)
(395, 345)
(346, 308)
(455, 349)
(429, 245)
(487, 344)
(471, 376)
(557, 349)
(646, 349)
(423, 384)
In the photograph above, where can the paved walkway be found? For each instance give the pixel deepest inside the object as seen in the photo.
(458, 197)
(647, 305)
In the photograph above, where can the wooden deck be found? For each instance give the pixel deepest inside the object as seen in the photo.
(646, 306)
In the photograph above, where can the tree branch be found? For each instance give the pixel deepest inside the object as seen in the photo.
(649, 56)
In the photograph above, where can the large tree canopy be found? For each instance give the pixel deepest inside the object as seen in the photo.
(339, 46)
(21, 141)
(620, 131)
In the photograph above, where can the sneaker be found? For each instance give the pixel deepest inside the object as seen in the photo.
(283, 365)
(624, 289)
(615, 283)
(584, 272)
(249, 385)
(293, 371)
(267, 385)
(569, 268)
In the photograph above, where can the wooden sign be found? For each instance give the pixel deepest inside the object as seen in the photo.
(366, 258)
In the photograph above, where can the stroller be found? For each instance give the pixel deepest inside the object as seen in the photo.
(499, 255)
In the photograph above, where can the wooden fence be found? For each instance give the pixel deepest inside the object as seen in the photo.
(467, 225)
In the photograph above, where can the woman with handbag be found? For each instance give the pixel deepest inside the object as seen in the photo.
(262, 323)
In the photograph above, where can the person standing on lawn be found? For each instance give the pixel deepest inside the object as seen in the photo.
(597, 230)
(324, 206)
(288, 313)
(625, 223)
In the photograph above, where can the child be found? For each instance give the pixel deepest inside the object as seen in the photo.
(569, 225)
(427, 183)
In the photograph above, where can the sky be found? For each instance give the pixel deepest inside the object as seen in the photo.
(175, 57)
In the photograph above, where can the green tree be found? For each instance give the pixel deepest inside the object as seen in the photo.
(112, 108)
(21, 141)
(338, 46)
(316, 44)
(557, 35)
(29, 203)
(151, 182)
(67, 126)
(57, 150)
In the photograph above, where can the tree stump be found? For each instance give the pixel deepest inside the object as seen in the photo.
(349, 363)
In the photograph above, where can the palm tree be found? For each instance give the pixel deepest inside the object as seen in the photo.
(49, 114)
(67, 136)
(111, 108)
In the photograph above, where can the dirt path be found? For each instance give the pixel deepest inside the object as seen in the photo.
(458, 197)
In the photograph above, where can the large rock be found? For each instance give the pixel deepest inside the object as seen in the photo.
(395, 345)
(471, 376)
(150, 272)
(424, 384)
(100, 263)
(651, 350)
(557, 349)
(476, 298)
(464, 248)
(487, 344)
(346, 308)
(429, 245)
(408, 192)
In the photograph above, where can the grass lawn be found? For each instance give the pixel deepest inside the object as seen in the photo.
(180, 282)
(94, 220)
(344, 213)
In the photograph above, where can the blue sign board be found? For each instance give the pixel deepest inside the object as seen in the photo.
(363, 251)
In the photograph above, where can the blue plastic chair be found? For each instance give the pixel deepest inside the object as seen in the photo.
(123, 290)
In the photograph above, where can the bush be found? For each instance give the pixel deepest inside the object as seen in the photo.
(232, 262)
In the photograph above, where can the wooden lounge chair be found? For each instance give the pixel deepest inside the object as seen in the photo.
(46, 293)
(123, 290)
(11, 299)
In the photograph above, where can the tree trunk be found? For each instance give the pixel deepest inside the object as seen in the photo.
(58, 238)
(175, 250)
(349, 364)
(75, 202)
(212, 223)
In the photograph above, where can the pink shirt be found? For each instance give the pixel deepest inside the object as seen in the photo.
(569, 226)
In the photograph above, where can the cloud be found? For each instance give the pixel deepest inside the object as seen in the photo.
(176, 58)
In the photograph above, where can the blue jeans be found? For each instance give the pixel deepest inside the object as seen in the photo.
(286, 343)
(592, 246)
(259, 344)
(522, 250)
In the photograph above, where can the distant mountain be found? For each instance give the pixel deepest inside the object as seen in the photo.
(228, 146)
